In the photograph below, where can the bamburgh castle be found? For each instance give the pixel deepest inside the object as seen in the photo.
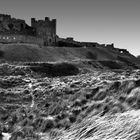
(41, 32)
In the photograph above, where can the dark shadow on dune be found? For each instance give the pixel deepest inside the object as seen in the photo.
(53, 70)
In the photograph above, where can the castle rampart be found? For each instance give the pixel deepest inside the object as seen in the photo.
(20, 39)
(42, 32)
(45, 29)
(40, 29)
(10, 24)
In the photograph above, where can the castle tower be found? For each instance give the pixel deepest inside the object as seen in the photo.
(45, 29)
(32, 21)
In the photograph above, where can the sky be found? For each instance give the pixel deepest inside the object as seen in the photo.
(102, 21)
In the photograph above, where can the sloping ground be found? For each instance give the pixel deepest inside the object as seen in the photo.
(28, 52)
(20, 52)
(98, 105)
(122, 126)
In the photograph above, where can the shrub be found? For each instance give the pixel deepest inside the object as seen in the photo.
(122, 99)
(115, 85)
(60, 116)
(95, 90)
(72, 118)
(100, 96)
(83, 101)
(76, 111)
(89, 95)
(131, 100)
(47, 125)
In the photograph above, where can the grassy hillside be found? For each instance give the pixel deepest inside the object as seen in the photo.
(102, 105)
(85, 58)
(28, 52)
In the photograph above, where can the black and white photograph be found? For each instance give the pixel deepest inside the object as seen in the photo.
(69, 70)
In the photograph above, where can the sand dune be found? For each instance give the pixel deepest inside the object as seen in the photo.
(103, 104)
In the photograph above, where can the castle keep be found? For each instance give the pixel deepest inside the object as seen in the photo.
(41, 32)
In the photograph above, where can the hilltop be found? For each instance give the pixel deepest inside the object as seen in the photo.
(40, 43)
(81, 56)
(71, 93)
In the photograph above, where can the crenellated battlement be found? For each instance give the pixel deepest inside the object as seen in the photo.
(45, 21)
(4, 17)
(44, 29)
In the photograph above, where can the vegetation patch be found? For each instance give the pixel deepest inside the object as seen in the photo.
(52, 70)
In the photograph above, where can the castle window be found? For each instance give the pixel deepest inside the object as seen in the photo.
(3, 37)
(50, 40)
(7, 37)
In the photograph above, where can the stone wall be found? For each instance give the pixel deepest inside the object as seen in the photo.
(13, 26)
(16, 30)
(21, 39)
(45, 29)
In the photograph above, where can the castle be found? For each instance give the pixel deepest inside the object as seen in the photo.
(42, 32)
